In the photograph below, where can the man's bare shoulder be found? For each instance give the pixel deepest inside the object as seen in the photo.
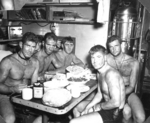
(57, 54)
(131, 60)
(34, 60)
(8, 60)
(109, 58)
(108, 55)
(39, 54)
(73, 55)
(50, 57)
(112, 74)
(53, 55)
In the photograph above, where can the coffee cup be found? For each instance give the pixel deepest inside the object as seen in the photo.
(27, 93)
(75, 92)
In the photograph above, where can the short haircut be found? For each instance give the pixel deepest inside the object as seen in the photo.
(50, 35)
(67, 39)
(59, 39)
(97, 48)
(40, 38)
(113, 38)
(29, 36)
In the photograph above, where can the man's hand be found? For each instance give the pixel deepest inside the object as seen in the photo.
(97, 107)
(87, 110)
(21, 87)
(18, 88)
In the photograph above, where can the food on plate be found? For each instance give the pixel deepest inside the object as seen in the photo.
(80, 79)
(93, 76)
(56, 97)
(77, 74)
(75, 69)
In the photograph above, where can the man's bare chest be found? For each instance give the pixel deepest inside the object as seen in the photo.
(125, 70)
(19, 71)
(124, 67)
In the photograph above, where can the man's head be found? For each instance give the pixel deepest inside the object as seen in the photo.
(40, 43)
(97, 54)
(50, 42)
(28, 44)
(68, 44)
(59, 43)
(114, 45)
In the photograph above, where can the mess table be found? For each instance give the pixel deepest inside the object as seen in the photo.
(37, 104)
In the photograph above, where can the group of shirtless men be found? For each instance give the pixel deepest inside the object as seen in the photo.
(115, 100)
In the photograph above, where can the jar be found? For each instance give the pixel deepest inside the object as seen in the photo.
(38, 90)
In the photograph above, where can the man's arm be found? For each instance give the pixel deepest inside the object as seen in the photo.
(5, 67)
(134, 76)
(113, 82)
(47, 63)
(35, 74)
(71, 58)
(97, 98)
(77, 61)
(58, 70)
(53, 72)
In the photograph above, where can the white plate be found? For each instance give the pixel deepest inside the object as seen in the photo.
(81, 88)
(78, 83)
(55, 84)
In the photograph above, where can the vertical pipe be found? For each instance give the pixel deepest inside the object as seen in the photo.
(141, 36)
(138, 86)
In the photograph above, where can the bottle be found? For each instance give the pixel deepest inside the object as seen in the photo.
(38, 90)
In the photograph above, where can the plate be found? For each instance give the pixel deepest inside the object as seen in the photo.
(55, 84)
(75, 69)
(78, 83)
(81, 88)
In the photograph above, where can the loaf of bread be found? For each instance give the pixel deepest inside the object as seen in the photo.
(56, 97)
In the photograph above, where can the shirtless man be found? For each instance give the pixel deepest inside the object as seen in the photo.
(16, 72)
(58, 45)
(49, 46)
(62, 58)
(129, 69)
(39, 45)
(109, 100)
